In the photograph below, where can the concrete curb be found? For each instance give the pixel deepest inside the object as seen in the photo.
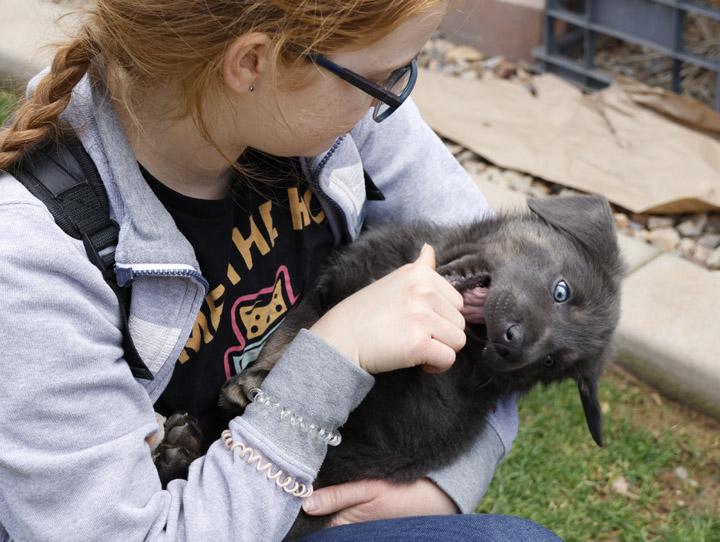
(669, 333)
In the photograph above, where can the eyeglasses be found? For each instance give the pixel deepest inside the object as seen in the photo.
(390, 95)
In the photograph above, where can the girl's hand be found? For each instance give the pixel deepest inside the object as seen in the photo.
(409, 317)
(369, 500)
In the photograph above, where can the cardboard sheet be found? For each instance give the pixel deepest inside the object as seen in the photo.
(645, 149)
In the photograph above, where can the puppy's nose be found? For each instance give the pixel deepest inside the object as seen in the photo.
(509, 347)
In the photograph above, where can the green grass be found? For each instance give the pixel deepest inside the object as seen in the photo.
(7, 104)
(627, 491)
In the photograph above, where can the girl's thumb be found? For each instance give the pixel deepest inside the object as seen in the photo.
(427, 256)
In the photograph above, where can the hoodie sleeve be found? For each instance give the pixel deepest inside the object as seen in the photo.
(74, 464)
(421, 179)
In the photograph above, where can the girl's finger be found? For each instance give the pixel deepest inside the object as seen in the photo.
(449, 313)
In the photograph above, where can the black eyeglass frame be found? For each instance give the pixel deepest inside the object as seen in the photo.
(393, 101)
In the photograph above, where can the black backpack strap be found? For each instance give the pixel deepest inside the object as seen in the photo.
(65, 179)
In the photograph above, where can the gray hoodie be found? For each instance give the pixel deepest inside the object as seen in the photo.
(74, 464)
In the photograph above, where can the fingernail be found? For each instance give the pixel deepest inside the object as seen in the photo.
(311, 504)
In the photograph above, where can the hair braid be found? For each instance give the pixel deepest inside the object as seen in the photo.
(38, 118)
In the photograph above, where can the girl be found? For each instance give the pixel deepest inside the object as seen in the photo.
(164, 96)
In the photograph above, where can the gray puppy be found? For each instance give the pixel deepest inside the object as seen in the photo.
(553, 298)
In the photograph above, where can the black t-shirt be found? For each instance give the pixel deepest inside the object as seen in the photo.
(259, 248)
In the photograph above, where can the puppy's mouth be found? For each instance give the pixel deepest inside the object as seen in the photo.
(474, 290)
(461, 284)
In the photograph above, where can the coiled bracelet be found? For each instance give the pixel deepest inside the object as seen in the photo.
(331, 438)
(288, 485)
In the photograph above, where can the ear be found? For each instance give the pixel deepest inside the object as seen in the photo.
(586, 218)
(245, 61)
(588, 387)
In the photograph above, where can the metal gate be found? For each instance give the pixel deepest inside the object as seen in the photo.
(655, 24)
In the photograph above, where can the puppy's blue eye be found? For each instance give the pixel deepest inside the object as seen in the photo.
(549, 361)
(562, 292)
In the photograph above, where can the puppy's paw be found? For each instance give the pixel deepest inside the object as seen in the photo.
(181, 445)
(235, 392)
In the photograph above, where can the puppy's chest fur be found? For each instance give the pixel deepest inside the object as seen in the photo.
(420, 422)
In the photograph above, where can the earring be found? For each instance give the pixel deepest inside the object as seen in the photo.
(252, 88)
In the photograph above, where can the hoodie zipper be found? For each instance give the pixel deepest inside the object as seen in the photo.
(126, 274)
(316, 182)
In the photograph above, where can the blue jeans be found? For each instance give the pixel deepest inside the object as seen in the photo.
(468, 527)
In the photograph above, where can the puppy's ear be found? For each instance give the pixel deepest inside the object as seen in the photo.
(588, 386)
(586, 218)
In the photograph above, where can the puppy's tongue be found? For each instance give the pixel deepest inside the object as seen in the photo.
(474, 305)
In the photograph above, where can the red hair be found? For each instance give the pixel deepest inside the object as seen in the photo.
(180, 44)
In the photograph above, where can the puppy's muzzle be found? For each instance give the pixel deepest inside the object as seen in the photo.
(509, 344)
